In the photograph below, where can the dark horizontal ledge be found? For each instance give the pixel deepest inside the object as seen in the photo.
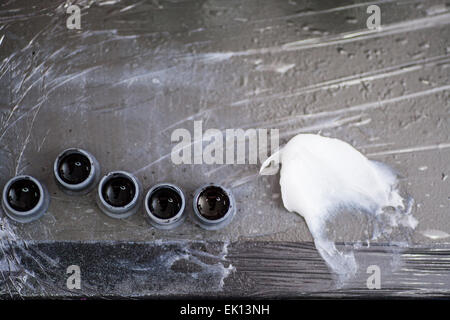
(193, 269)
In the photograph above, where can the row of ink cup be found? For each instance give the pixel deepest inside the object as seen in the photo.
(119, 194)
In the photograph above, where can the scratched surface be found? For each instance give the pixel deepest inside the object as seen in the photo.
(136, 71)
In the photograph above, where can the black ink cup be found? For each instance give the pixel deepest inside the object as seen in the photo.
(164, 205)
(76, 171)
(214, 206)
(25, 199)
(118, 194)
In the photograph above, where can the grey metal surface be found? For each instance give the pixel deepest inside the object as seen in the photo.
(136, 71)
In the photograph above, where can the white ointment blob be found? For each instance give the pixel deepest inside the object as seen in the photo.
(321, 177)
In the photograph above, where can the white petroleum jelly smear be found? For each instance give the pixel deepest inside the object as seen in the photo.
(320, 175)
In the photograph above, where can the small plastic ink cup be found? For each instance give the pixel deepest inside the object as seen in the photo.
(164, 205)
(25, 199)
(214, 206)
(76, 171)
(119, 194)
